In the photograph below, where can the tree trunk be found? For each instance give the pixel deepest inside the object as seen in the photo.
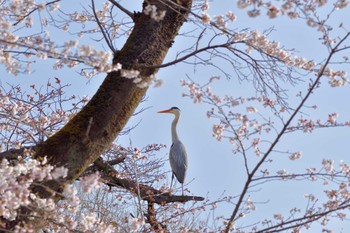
(93, 129)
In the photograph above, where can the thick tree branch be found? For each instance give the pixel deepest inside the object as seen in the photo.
(146, 193)
(117, 160)
(14, 153)
(152, 220)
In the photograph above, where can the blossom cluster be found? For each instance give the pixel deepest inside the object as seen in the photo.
(30, 115)
(236, 127)
(259, 41)
(309, 125)
(152, 11)
(220, 21)
(137, 79)
(336, 78)
(195, 91)
(18, 49)
(289, 7)
(70, 54)
(339, 193)
(336, 192)
(15, 191)
(15, 185)
(295, 155)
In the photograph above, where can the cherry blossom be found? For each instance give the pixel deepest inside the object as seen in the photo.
(89, 182)
(136, 224)
(250, 205)
(151, 10)
(21, 176)
(206, 18)
(328, 165)
(295, 156)
(217, 131)
(231, 16)
(220, 21)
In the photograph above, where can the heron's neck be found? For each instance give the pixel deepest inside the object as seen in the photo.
(173, 129)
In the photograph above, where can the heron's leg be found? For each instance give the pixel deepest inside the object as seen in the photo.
(171, 183)
(182, 189)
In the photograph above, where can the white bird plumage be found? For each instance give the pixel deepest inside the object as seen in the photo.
(177, 154)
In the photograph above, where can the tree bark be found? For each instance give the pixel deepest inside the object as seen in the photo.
(86, 136)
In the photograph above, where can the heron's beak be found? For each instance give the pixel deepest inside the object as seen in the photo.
(165, 111)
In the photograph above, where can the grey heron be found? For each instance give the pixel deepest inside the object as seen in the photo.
(177, 154)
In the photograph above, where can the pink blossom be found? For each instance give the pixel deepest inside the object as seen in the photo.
(59, 172)
(279, 217)
(254, 13)
(243, 4)
(340, 4)
(205, 18)
(345, 168)
(251, 110)
(137, 223)
(328, 165)
(218, 131)
(205, 6)
(332, 118)
(152, 11)
(250, 204)
(273, 12)
(282, 172)
(232, 17)
(220, 21)
(89, 182)
(295, 156)
(130, 74)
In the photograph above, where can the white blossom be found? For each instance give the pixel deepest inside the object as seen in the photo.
(89, 182)
(152, 11)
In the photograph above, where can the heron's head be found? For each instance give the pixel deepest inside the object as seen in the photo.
(173, 110)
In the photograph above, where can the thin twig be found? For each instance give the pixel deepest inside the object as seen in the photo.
(102, 29)
(126, 11)
(301, 221)
(32, 11)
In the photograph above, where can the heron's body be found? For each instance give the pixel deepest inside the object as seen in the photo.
(177, 154)
(178, 160)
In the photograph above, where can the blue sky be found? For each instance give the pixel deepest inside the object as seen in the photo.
(211, 164)
(213, 169)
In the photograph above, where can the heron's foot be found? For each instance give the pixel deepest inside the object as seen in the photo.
(171, 191)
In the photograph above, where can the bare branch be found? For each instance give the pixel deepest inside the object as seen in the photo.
(197, 51)
(106, 37)
(126, 11)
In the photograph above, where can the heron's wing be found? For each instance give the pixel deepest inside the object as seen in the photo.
(178, 160)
